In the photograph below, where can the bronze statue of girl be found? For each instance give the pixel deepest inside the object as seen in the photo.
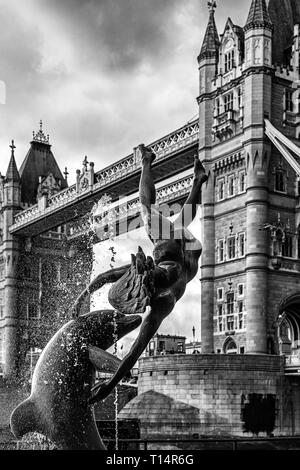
(152, 286)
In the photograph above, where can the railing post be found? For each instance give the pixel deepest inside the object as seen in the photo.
(91, 175)
(42, 203)
(78, 181)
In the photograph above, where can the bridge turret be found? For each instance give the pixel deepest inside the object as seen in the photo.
(10, 250)
(12, 187)
(258, 36)
(208, 57)
(208, 66)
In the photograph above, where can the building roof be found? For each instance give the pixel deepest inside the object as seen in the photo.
(211, 41)
(39, 161)
(258, 15)
(284, 15)
(12, 173)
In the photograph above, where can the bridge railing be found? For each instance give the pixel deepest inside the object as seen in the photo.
(131, 207)
(172, 143)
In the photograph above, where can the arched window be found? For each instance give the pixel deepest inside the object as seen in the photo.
(229, 54)
(257, 51)
(228, 61)
(230, 346)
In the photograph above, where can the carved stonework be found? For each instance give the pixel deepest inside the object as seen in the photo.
(48, 186)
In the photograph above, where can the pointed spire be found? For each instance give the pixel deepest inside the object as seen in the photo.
(211, 42)
(12, 173)
(258, 16)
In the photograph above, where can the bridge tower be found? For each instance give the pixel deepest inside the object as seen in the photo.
(250, 208)
(11, 202)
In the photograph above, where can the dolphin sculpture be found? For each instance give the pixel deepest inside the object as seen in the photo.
(63, 377)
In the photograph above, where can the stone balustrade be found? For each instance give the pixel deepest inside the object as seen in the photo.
(131, 208)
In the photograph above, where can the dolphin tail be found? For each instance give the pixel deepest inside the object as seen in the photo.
(112, 275)
(23, 419)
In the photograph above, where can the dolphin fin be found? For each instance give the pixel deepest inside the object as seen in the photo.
(103, 360)
(23, 419)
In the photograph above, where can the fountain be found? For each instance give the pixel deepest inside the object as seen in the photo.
(60, 404)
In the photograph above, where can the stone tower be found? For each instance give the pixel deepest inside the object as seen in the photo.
(11, 204)
(36, 272)
(250, 208)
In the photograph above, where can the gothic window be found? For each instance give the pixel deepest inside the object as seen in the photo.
(257, 58)
(240, 318)
(220, 293)
(221, 190)
(231, 244)
(287, 247)
(229, 61)
(242, 245)
(230, 347)
(248, 55)
(230, 312)
(289, 102)
(221, 251)
(241, 290)
(220, 318)
(228, 102)
(240, 97)
(242, 182)
(218, 107)
(267, 52)
(231, 186)
(280, 180)
(1, 308)
(230, 303)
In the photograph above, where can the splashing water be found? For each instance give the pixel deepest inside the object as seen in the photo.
(35, 441)
(103, 216)
(115, 337)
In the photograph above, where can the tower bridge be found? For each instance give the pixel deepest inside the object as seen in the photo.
(247, 136)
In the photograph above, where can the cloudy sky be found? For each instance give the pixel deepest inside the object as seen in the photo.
(104, 75)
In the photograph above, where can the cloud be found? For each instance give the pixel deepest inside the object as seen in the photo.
(104, 75)
(118, 34)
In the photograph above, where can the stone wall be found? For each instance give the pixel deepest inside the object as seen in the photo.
(240, 395)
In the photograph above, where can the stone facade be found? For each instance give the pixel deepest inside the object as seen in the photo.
(242, 395)
(251, 186)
